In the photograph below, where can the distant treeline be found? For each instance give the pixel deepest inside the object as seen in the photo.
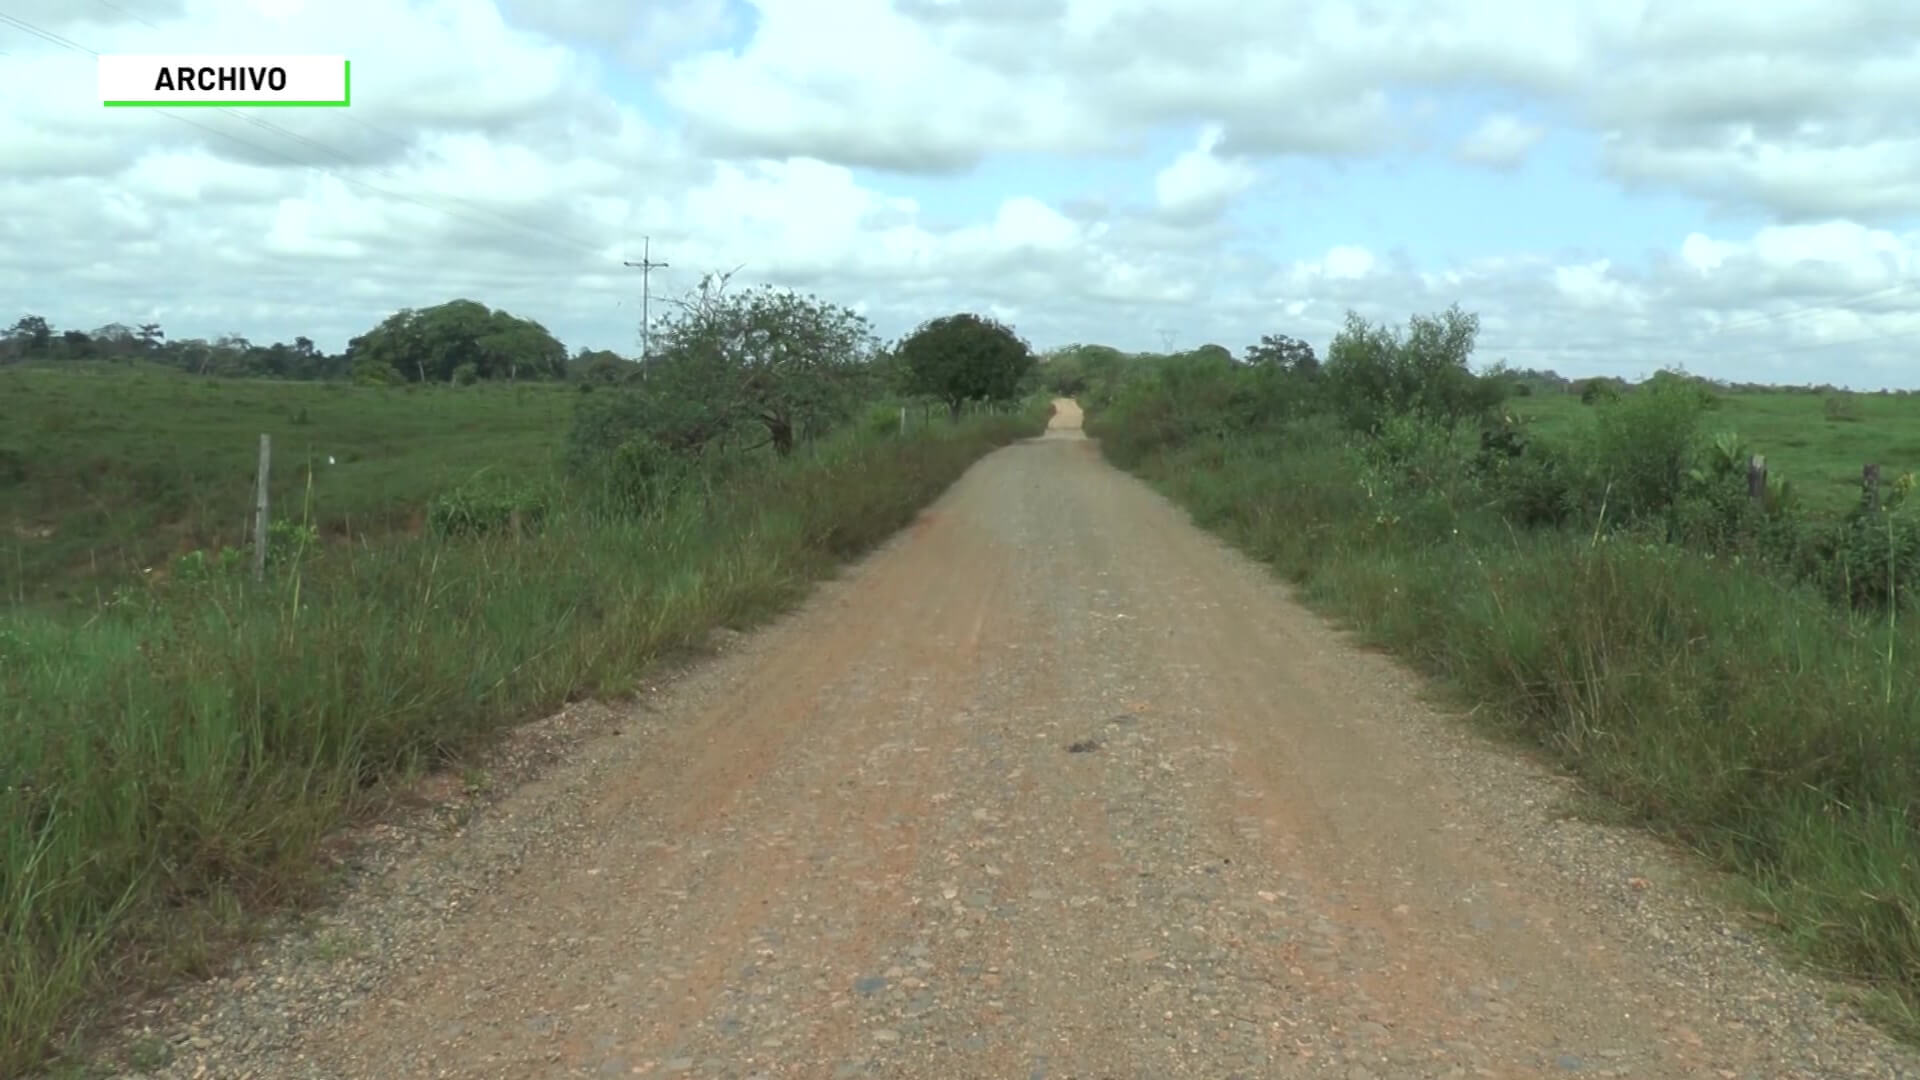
(459, 341)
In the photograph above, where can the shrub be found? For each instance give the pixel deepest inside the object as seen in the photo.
(642, 473)
(1869, 559)
(1528, 482)
(883, 419)
(1598, 391)
(1643, 446)
(484, 505)
(1373, 372)
(1842, 407)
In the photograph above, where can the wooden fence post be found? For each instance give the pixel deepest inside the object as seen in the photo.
(260, 509)
(903, 419)
(1757, 477)
(1870, 486)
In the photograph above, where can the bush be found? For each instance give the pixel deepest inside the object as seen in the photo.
(484, 505)
(1528, 482)
(883, 420)
(1598, 391)
(1643, 446)
(1373, 372)
(1842, 407)
(1870, 559)
(642, 474)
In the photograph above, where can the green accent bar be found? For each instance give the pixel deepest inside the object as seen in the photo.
(345, 100)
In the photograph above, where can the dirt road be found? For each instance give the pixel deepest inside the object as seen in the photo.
(1054, 786)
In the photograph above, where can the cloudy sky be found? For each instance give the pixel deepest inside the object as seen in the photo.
(1613, 185)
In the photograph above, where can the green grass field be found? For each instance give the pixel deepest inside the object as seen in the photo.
(1821, 455)
(106, 473)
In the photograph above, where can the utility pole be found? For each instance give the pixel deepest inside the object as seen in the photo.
(646, 266)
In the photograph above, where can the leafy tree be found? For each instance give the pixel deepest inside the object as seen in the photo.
(786, 361)
(1063, 372)
(786, 364)
(151, 336)
(1374, 373)
(600, 367)
(1598, 390)
(31, 336)
(430, 344)
(514, 346)
(966, 357)
(370, 370)
(1283, 353)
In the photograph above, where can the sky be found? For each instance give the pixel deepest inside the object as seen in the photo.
(1731, 187)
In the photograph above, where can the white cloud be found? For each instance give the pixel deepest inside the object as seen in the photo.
(1198, 185)
(1590, 286)
(646, 35)
(1348, 262)
(1501, 141)
(516, 151)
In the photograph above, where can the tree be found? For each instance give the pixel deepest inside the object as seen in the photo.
(780, 359)
(151, 336)
(430, 344)
(722, 364)
(76, 345)
(965, 357)
(599, 367)
(513, 345)
(1288, 354)
(1373, 372)
(31, 336)
(1064, 373)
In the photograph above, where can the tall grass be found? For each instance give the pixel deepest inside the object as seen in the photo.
(103, 475)
(1716, 701)
(179, 757)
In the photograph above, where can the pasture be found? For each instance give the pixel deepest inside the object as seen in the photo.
(104, 474)
(1817, 441)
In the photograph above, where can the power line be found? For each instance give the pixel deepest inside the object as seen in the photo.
(1842, 304)
(646, 266)
(399, 140)
(116, 7)
(45, 35)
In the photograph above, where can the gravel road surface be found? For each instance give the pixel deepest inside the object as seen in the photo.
(1052, 787)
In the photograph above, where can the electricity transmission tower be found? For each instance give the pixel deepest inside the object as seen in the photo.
(646, 266)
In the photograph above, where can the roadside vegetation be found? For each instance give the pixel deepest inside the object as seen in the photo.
(1737, 668)
(177, 739)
